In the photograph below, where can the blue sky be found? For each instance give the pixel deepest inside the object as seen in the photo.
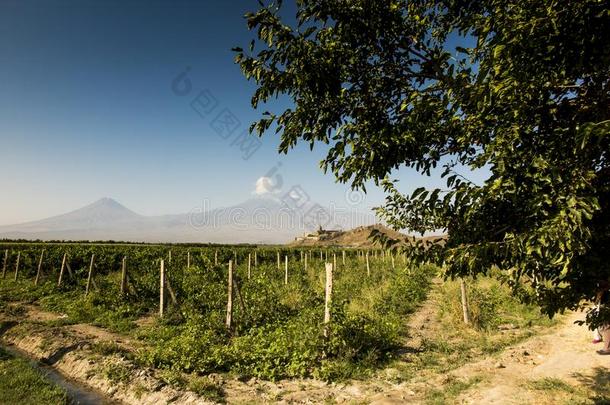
(87, 110)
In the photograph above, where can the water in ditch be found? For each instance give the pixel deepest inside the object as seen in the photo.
(78, 393)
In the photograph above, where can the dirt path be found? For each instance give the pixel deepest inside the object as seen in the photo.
(566, 354)
(85, 331)
(422, 323)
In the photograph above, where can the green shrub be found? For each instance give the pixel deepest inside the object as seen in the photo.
(490, 304)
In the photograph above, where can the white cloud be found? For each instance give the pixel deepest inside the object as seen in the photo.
(264, 185)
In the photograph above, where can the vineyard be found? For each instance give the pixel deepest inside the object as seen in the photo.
(262, 312)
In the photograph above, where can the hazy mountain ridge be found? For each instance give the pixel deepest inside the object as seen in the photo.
(257, 220)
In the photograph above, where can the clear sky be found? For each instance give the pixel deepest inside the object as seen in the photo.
(89, 109)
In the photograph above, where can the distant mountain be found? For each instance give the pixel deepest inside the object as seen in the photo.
(257, 220)
(101, 214)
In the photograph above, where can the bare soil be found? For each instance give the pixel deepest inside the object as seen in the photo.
(564, 352)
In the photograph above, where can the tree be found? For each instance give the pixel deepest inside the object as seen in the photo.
(521, 88)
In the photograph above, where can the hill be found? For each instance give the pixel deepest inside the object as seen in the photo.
(357, 237)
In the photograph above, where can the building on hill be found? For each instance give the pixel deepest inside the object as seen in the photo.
(320, 234)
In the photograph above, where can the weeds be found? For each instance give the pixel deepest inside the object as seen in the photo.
(117, 373)
(207, 388)
(20, 383)
(550, 384)
(451, 390)
(108, 348)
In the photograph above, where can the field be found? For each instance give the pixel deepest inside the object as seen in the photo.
(277, 325)
(386, 323)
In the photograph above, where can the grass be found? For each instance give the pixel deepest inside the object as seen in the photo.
(550, 384)
(96, 309)
(377, 316)
(104, 348)
(455, 344)
(591, 389)
(277, 329)
(208, 389)
(277, 332)
(20, 383)
(117, 373)
(491, 304)
(451, 390)
(556, 391)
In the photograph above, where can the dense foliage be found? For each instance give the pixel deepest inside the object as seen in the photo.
(520, 88)
(277, 328)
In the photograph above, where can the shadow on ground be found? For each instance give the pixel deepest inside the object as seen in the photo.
(5, 326)
(598, 383)
(60, 353)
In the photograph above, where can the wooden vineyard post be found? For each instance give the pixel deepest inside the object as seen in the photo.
(170, 290)
(39, 271)
(328, 298)
(89, 275)
(170, 257)
(17, 265)
(368, 267)
(229, 320)
(235, 258)
(216, 257)
(249, 265)
(301, 255)
(70, 272)
(162, 289)
(320, 255)
(334, 261)
(278, 260)
(188, 259)
(5, 263)
(61, 272)
(255, 259)
(124, 276)
(343, 253)
(240, 297)
(464, 302)
(305, 263)
(286, 270)
(326, 255)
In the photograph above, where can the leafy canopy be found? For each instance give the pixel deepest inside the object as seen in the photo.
(519, 87)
